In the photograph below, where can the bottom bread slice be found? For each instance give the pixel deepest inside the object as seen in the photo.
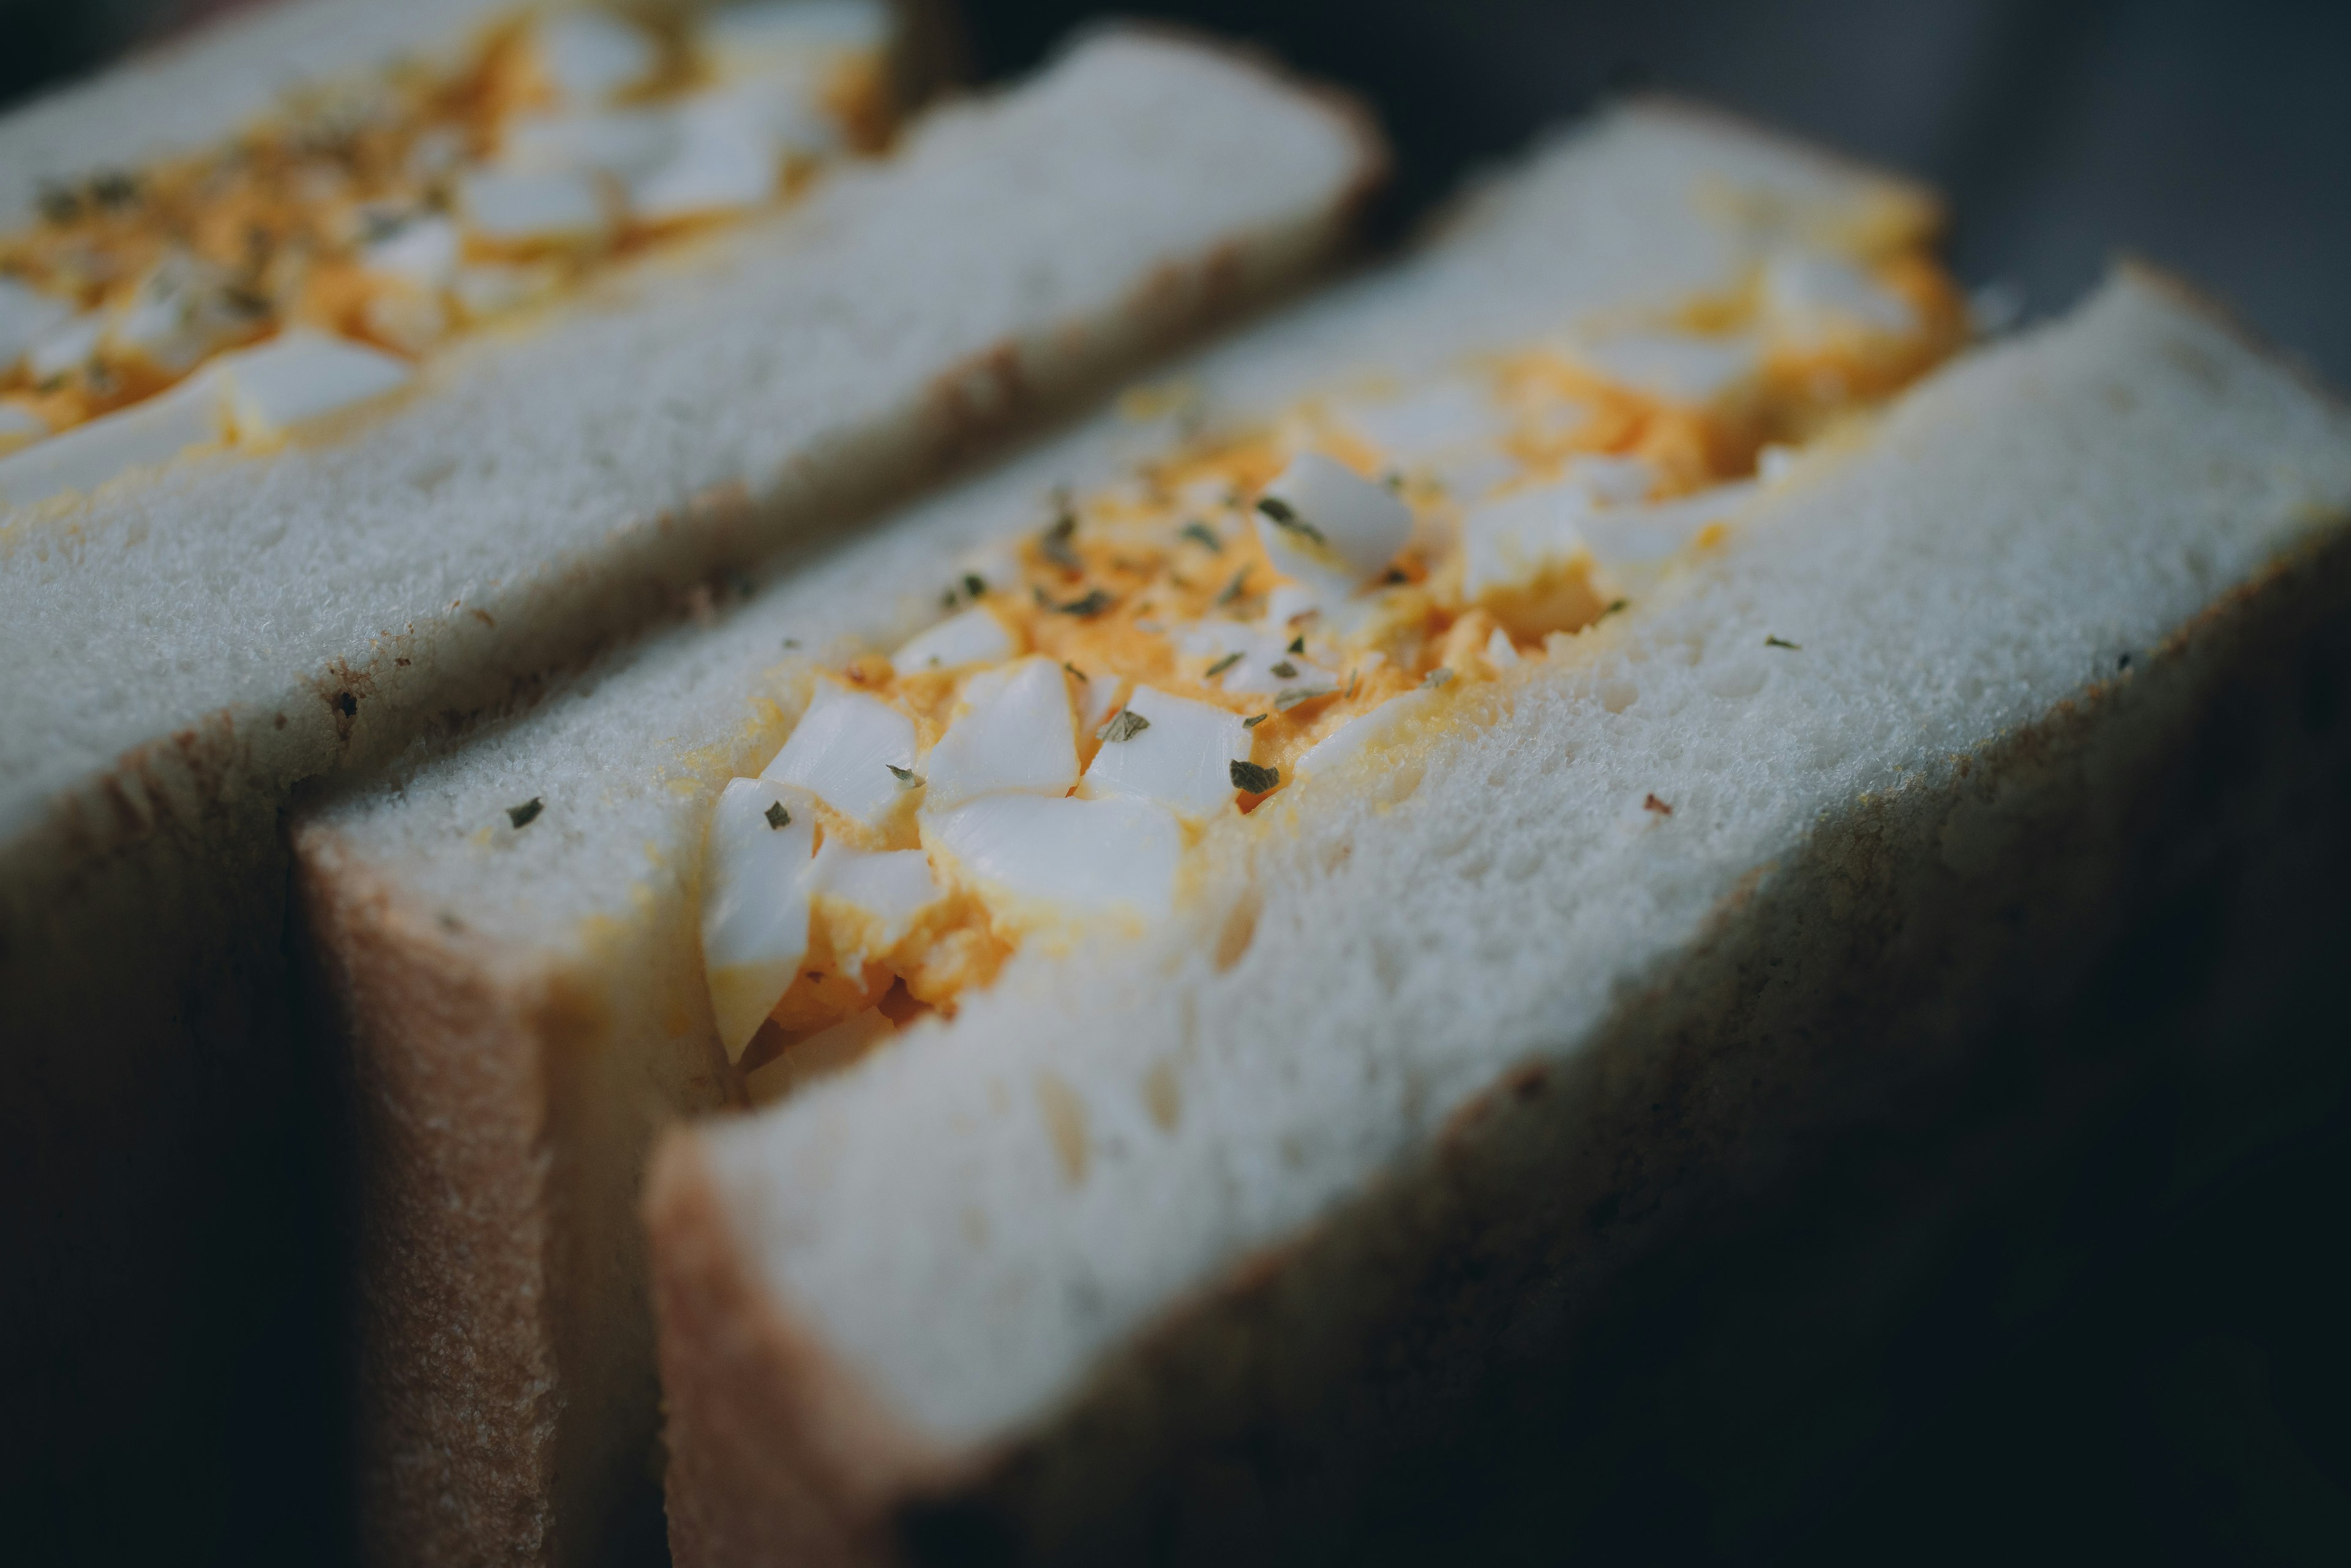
(1503, 1015)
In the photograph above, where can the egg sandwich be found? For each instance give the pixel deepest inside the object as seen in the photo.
(359, 364)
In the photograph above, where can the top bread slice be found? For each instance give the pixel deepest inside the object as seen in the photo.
(525, 1004)
(185, 649)
(1570, 959)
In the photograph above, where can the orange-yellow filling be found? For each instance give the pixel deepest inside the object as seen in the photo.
(1110, 586)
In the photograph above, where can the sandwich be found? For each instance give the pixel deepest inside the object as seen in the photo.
(331, 415)
(749, 857)
(1306, 1106)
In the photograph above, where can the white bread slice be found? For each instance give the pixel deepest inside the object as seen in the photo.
(525, 1005)
(1473, 993)
(185, 649)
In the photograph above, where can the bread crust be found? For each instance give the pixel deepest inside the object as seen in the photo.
(457, 1406)
(1867, 980)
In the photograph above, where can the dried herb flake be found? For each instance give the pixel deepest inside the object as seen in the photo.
(1054, 545)
(1782, 643)
(1251, 780)
(1286, 515)
(906, 777)
(776, 816)
(1221, 666)
(524, 815)
(1125, 725)
(1201, 534)
(1095, 602)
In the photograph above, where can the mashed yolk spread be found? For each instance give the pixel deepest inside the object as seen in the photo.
(397, 211)
(1181, 645)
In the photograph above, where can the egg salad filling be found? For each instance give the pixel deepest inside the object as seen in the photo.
(1165, 654)
(310, 263)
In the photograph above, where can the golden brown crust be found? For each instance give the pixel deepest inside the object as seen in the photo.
(776, 1453)
(456, 1399)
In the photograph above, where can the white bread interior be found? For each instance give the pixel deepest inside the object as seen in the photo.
(568, 950)
(187, 648)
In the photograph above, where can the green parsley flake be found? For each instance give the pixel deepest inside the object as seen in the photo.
(1251, 780)
(776, 816)
(524, 815)
(1125, 725)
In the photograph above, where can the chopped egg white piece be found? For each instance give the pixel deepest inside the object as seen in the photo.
(1078, 856)
(492, 288)
(27, 317)
(88, 455)
(1266, 666)
(550, 207)
(66, 347)
(889, 889)
(1643, 535)
(422, 251)
(1445, 416)
(1181, 755)
(762, 114)
(1613, 481)
(974, 637)
(1516, 541)
(1099, 700)
(301, 375)
(1014, 733)
(180, 313)
(1362, 524)
(1287, 602)
(592, 57)
(730, 152)
(843, 751)
(1812, 299)
(1679, 367)
(755, 908)
(791, 37)
(1377, 725)
(627, 143)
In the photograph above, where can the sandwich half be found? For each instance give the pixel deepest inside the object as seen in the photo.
(530, 935)
(328, 419)
(1208, 1215)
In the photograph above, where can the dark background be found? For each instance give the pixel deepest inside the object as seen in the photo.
(2153, 1364)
